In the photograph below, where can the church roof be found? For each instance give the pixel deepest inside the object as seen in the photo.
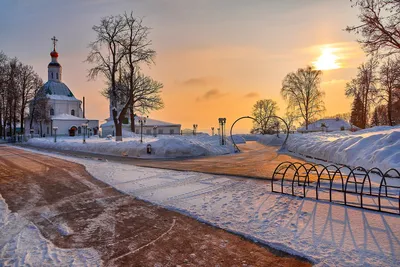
(56, 88)
(67, 117)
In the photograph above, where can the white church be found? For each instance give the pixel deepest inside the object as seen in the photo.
(65, 111)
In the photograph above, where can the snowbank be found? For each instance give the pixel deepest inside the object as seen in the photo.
(268, 140)
(330, 126)
(374, 147)
(162, 146)
(22, 244)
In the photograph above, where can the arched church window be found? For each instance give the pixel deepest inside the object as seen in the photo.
(51, 112)
(73, 112)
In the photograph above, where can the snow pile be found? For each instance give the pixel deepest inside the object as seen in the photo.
(267, 139)
(374, 147)
(162, 146)
(239, 139)
(22, 244)
(271, 140)
(330, 126)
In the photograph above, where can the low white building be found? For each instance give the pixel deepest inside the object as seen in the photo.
(328, 125)
(65, 111)
(150, 127)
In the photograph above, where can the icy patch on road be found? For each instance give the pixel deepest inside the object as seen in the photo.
(21, 244)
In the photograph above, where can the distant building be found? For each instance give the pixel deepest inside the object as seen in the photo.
(328, 125)
(151, 127)
(65, 110)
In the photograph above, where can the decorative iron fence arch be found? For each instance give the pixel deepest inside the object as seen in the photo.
(254, 119)
(359, 177)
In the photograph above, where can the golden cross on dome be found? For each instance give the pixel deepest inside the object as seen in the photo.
(54, 42)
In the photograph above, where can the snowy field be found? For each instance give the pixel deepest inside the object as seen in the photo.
(327, 234)
(21, 244)
(374, 147)
(163, 146)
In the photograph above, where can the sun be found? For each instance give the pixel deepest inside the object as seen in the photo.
(327, 60)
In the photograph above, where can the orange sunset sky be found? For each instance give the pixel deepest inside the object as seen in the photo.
(216, 58)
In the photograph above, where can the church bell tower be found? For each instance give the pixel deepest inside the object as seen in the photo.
(54, 68)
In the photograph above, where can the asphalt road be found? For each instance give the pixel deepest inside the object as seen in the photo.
(125, 231)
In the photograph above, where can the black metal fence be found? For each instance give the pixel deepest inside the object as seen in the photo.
(316, 181)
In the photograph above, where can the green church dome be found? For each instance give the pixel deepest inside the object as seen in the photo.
(57, 88)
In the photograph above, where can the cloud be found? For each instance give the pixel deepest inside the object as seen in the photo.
(334, 81)
(251, 95)
(195, 82)
(210, 94)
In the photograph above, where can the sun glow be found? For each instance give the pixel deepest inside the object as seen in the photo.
(327, 60)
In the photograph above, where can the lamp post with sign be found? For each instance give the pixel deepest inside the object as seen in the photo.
(222, 122)
(55, 128)
(84, 126)
(155, 130)
(194, 129)
(142, 121)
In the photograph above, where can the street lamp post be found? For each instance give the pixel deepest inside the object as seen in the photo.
(142, 121)
(212, 131)
(40, 124)
(155, 130)
(194, 129)
(84, 126)
(222, 122)
(55, 128)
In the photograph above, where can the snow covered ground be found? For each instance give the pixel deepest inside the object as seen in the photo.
(374, 147)
(21, 244)
(163, 146)
(328, 234)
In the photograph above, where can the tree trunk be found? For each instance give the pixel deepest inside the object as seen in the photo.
(15, 117)
(389, 109)
(22, 118)
(118, 132)
(132, 117)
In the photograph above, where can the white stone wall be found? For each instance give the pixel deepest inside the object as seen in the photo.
(147, 130)
(63, 126)
(54, 73)
(65, 107)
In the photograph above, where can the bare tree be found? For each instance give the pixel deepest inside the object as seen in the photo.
(142, 90)
(40, 110)
(3, 91)
(29, 83)
(379, 28)
(364, 86)
(106, 53)
(290, 118)
(301, 89)
(127, 45)
(389, 90)
(262, 111)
